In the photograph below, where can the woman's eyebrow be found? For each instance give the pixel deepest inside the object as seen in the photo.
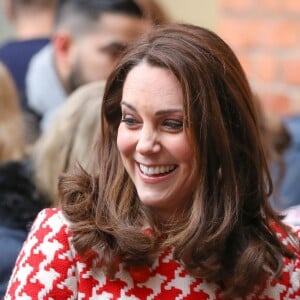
(128, 105)
(159, 112)
(169, 111)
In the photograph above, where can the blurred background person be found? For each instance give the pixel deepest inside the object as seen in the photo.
(19, 200)
(69, 139)
(290, 188)
(12, 145)
(280, 141)
(89, 36)
(33, 23)
(276, 141)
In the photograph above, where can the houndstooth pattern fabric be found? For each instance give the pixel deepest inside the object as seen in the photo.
(49, 268)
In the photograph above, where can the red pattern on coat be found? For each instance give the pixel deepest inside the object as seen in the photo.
(48, 267)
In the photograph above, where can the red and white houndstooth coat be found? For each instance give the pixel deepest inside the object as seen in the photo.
(49, 268)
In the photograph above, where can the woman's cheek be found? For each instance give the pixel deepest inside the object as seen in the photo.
(125, 140)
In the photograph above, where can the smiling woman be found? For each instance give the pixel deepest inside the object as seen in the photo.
(178, 206)
(154, 147)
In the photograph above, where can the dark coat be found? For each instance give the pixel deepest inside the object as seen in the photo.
(20, 202)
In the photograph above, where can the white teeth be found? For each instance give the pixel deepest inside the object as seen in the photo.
(156, 170)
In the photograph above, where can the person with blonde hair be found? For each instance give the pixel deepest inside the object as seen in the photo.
(19, 200)
(69, 140)
(12, 144)
(177, 207)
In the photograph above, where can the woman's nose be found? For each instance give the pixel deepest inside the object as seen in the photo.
(148, 142)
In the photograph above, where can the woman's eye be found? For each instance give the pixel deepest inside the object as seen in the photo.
(173, 124)
(129, 120)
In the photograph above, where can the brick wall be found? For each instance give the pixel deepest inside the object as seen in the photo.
(265, 35)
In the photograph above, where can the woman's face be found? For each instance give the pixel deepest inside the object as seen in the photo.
(152, 140)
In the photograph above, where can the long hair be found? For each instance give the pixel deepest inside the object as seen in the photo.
(12, 143)
(226, 234)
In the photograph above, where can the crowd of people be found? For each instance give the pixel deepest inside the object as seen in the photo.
(136, 161)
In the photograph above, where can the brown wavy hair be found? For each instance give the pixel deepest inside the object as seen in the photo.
(225, 235)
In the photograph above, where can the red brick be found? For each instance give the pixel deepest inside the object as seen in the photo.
(291, 6)
(266, 68)
(295, 106)
(261, 32)
(244, 60)
(246, 33)
(278, 33)
(236, 5)
(238, 32)
(250, 67)
(291, 70)
(276, 103)
(268, 6)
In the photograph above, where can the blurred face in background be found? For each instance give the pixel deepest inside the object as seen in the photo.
(94, 54)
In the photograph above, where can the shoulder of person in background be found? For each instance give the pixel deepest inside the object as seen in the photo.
(41, 78)
(292, 215)
(18, 64)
